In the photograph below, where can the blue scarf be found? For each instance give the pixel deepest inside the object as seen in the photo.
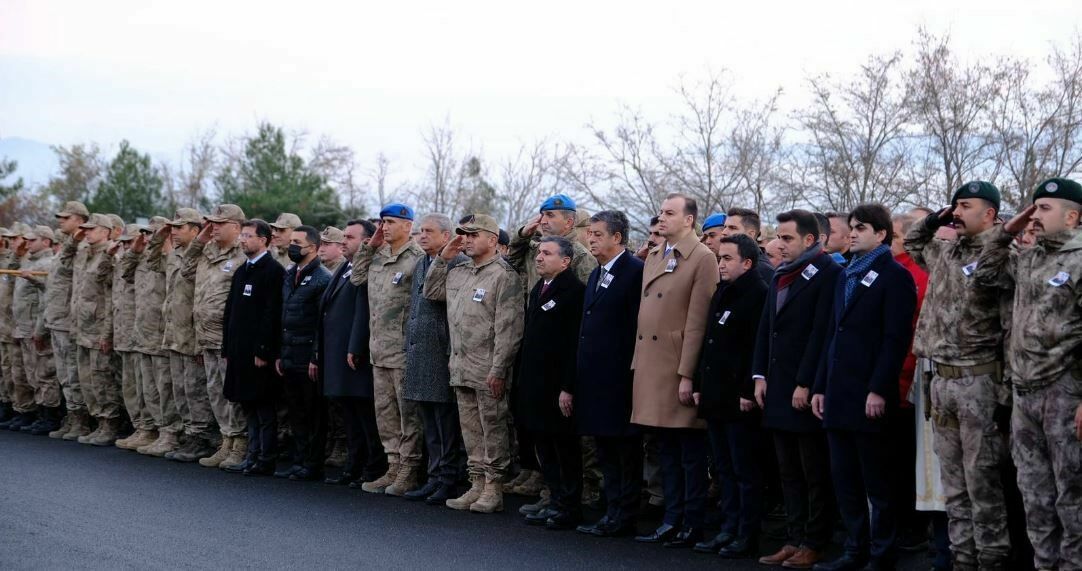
(858, 266)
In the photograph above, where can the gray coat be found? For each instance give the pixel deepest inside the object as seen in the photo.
(427, 342)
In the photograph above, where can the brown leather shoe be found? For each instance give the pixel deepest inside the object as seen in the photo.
(780, 557)
(804, 558)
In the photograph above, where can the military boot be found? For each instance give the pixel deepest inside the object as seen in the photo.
(6, 412)
(223, 451)
(107, 433)
(463, 502)
(140, 437)
(237, 455)
(166, 442)
(94, 433)
(405, 481)
(80, 425)
(339, 454)
(530, 486)
(22, 419)
(65, 426)
(50, 421)
(379, 485)
(518, 480)
(491, 499)
(195, 447)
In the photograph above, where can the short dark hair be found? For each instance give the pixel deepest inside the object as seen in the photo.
(566, 249)
(310, 233)
(503, 239)
(806, 223)
(877, 216)
(691, 208)
(654, 220)
(369, 227)
(262, 229)
(823, 221)
(749, 219)
(615, 223)
(745, 246)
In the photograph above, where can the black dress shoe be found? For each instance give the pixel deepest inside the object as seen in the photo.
(260, 468)
(740, 548)
(660, 535)
(287, 472)
(541, 517)
(306, 474)
(714, 544)
(424, 491)
(591, 528)
(847, 562)
(687, 537)
(342, 479)
(563, 520)
(440, 496)
(240, 468)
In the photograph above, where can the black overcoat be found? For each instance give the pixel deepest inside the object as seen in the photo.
(342, 329)
(300, 313)
(252, 328)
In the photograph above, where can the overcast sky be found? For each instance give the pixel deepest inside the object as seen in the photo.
(374, 74)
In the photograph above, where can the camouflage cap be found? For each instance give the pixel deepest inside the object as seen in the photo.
(156, 223)
(582, 218)
(286, 221)
(332, 235)
(472, 223)
(73, 208)
(130, 232)
(186, 216)
(97, 220)
(40, 232)
(17, 230)
(118, 222)
(226, 213)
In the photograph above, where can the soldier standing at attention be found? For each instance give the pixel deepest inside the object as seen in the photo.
(30, 329)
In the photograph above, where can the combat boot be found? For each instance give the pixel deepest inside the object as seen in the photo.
(521, 477)
(140, 437)
(80, 425)
(195, 447)
(491, 499)
(166, 442)
(237, 455)
(463, 502)
(94, 433)
(405, 481)
(107, 433)
(530, 486)
(223, 451)
(379, 485)
(65, 426)
(339, 454)
(49, 421)
(22, 419)
(6, 412)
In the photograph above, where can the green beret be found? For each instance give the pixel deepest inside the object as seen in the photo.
(1064, 188)
(977, 189)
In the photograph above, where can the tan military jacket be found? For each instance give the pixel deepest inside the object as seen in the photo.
(57, 299)
(485, 315)
(92, 294)
(177, 318)
(212, 269)
(523, 250)
(7, 297)
(124, 329)
(27, 303)
(389, 276)
(149, 285)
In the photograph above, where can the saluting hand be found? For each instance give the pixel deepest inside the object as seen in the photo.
(453, 248)
(529, 229)
(204, 234)
(78, 235)
(377, 238)
(941, 218)
(1018, 223)
(164, 231)
(817, 406)
(139, 244)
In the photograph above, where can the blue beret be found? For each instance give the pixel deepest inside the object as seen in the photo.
(397, 210)
(558, 202)
(713, 221)
(840, 259)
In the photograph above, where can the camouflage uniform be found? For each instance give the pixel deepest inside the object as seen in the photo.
(389, 276)
(16, 386)
(1047, 374)
(959, 329)
(140, 400)
(212, 269)
(485, 317)
(92, 311)
(39, 367)
(56, 318)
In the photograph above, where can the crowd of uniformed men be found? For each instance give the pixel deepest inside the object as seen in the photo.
(450, 362)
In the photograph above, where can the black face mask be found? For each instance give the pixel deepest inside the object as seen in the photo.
(295, 254)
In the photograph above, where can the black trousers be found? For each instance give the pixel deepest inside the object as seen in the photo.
(307, 416)
(902, 433)
(560, 456)
(443, 440)
(683, 472)
(860, 464)
(734, 446)
(262, 429)
(365, 454)
(804, 466)
(620, 461)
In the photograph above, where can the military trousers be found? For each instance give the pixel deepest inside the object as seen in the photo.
(154, 370)
(485, 433)
(190, 394)
(1049, 459)
(971, 451)
(232, 420)
(138, 401)
(398, 419)
(40, 373)
(14, 370)
(100, 388)
(5, 379)
(67, 373)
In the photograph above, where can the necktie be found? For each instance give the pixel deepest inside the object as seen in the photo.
(545, 288)
(668, 250)
(600, 278)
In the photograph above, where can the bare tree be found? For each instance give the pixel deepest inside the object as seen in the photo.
(337, 164)
(439, 191)
(189, 185)
(525, 180)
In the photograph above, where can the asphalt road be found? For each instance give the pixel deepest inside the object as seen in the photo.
(66, 505)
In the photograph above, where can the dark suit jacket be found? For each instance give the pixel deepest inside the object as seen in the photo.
(790, 342)
(868, 341)
(546, 363)
(606, 346)
(724, 374)
(300, 312)
(342, 329)
(252, 328)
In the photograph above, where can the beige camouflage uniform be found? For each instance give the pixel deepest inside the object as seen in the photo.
(92, 311)
(16, 385)
(1044, 357)
(39, 367)
(959, 329)
(140, 399)
(57, 320)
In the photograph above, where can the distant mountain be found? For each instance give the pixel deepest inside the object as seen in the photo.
(37, 162)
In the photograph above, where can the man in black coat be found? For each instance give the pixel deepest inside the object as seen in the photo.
(342, 365)
(790, 340)
(546, 379)
(603, 379)
(856, 388)
(725, 393)
(251, 340)
(303, 287)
